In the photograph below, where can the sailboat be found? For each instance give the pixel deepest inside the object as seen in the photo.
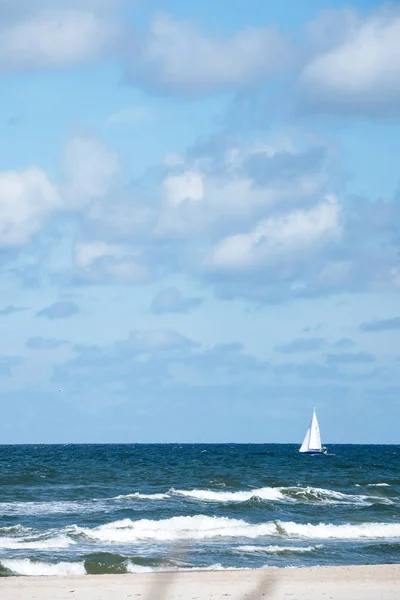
(312, 441)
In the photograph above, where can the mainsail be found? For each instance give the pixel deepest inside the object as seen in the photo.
(312, 440)
(306, 442)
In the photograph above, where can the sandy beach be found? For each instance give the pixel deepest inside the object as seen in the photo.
(316, 583)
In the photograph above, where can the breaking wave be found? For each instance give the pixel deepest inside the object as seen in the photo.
(24, 566)
(278, 549)
(20, 543)
(201, 527)
(139, 496)
(299, 494)
(378, 485)
(265, 493)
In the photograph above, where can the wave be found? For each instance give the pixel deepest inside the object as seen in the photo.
(345, 531)
(372, 485)
(201, 527)
(304, 495)
(278, 549)
(265, 493)
(14, 529)
(313, 494)
(138, 495)
(20, 543)
(24, 566)
(378, 485)
(176, 528)
(299, 494)
(133, 568)
(56, 507)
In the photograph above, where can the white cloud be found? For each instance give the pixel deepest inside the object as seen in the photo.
(187, 186)
(85, 254)
(27, 198)
(237, 187)
(96, 261)
(89, 168)
(173, 160)
(54, 38)
(177, 56)
(278, 238)
(223, 217)
(360, 73)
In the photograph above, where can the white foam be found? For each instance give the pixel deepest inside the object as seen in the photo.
(346, 531)
(177, 528)
(265, 493)
(55, 543)
(314, 494)
(321, 495)
(37, 508)
(139, 496)
(28, 567)
(15, 529)
(204, 527)
(132, 568)
(378, 485)
(278, 549)
(299, 494)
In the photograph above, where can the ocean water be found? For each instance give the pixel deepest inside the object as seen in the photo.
(131, 508)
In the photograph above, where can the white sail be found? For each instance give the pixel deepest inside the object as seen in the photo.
(312, 440)
(315, 436)
(306, 442)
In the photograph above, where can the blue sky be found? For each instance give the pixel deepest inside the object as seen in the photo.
(199, 221)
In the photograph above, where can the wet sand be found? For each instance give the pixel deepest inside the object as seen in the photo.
(381, 582)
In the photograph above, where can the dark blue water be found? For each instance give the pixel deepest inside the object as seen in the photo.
(127, 508)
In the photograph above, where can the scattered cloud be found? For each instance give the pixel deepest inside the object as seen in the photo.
(350, 358)
(171, 300)
(59, 310)
(27, 199)
(302, 345)
(356, 69)
(11, 309)
(331, 370)
(54, 36)
(89, 168)
(283, 165)
(148, 360)
(175, 56)
(377, 325)
(99, 261)
(215, 217)
(295, 234)
(42, 343)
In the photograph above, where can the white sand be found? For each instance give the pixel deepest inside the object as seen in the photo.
(319, 583)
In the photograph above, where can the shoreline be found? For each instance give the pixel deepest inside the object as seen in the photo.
(364, 582)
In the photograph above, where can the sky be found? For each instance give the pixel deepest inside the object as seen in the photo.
(199, 221)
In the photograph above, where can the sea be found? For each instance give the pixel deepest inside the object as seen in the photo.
(92, 509)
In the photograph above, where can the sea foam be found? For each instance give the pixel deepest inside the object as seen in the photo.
(28, 567)
(307, 495)
(278, 549)
(200, 527)
(20, 543)
(265, 493)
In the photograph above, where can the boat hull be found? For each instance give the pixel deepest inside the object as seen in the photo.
(314, 452)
